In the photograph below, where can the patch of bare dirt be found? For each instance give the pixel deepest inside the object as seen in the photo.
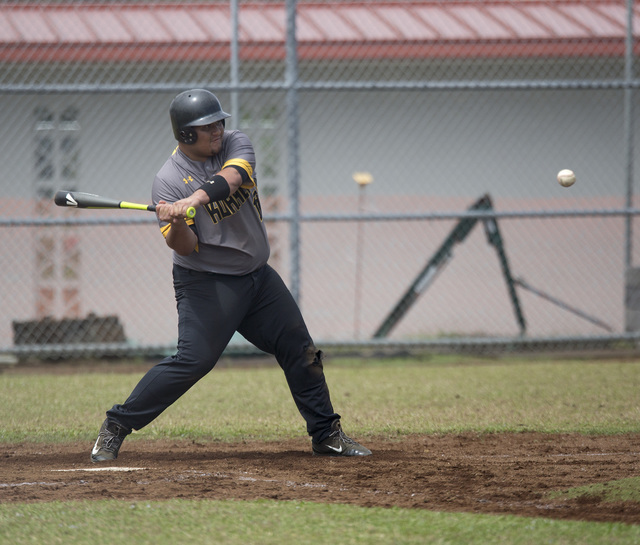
(498, 473)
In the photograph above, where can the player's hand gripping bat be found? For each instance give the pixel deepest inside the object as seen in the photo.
(77, 199)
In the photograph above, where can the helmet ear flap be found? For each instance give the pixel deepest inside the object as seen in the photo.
(188, 136)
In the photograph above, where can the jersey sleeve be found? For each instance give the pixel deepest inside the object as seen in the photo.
(164, 187)
(241, 156)
(163, 190)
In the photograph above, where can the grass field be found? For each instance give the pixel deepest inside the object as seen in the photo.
(386, 399)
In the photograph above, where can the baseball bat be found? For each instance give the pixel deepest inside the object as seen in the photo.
(77, 199)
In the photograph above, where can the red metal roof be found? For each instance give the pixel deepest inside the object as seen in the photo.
(340, 30)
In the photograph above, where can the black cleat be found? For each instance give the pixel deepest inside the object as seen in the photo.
(109, 441)
(338, 444)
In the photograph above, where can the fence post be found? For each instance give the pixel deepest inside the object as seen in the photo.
(235, 65)
(291, 81)
(628, 131)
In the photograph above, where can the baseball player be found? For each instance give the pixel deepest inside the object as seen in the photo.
(222, 282)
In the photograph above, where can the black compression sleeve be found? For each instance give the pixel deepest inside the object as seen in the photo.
(217, 188)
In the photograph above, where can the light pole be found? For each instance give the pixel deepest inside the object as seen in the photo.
(363, 179)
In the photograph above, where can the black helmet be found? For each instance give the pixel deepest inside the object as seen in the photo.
(191, 109)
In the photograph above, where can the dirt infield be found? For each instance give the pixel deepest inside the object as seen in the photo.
(501, 473)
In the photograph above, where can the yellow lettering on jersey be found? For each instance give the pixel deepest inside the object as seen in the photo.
(256, 204)
(230, 206)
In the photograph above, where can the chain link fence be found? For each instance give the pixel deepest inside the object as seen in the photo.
(407, 156)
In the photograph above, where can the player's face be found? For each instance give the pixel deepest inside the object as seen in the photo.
(209, 140)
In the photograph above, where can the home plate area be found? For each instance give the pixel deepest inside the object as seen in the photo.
(490, 473)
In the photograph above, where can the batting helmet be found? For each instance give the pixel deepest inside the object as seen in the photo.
(191, 109)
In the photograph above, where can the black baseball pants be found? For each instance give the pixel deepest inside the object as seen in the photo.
(211, 308)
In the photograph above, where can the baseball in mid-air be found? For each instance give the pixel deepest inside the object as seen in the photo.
(566, 177)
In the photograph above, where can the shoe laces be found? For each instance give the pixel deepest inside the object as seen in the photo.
(339, 434)
(113, 438)
(108, 443)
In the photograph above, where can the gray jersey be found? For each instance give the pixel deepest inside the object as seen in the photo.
(232, 238)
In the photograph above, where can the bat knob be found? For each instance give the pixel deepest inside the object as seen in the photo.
(191, 212)
(61, 198)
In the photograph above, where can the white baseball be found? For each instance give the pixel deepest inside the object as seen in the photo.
(566, 177)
